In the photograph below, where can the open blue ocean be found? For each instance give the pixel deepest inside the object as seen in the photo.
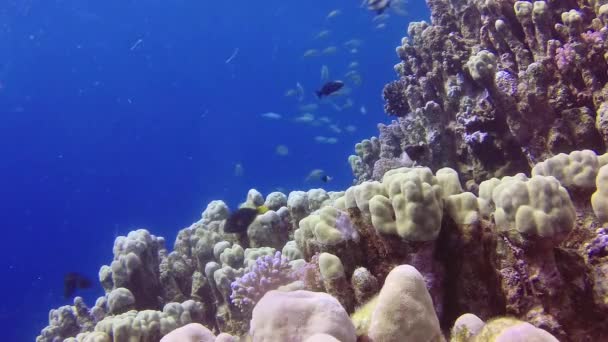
(117, 115)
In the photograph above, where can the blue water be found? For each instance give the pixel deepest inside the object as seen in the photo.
(122, 114)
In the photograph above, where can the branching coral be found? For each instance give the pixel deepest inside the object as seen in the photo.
(513, 83)
(268, 273)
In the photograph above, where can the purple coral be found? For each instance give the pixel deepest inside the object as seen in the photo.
(396, 101)
(268, 273)
(476, 137)
(506, 82)
(598, 247)
(565, 57)
(345, 227)
(310, 274)
(593, 38)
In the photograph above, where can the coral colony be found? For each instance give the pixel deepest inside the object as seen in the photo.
(478, 214)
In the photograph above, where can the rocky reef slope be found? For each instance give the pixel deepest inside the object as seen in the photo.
(407, 256)
(490, 88)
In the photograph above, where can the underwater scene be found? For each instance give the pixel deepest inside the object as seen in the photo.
(304, 171)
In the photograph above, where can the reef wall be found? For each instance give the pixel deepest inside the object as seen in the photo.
(490, 88)
(508, 241)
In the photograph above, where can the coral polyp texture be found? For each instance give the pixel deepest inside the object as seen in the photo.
(490, 88)
(268, 273)
(478, 214)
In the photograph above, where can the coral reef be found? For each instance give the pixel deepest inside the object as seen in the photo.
(491, 88)
(507, 243)
(524, 255)
(68, 321)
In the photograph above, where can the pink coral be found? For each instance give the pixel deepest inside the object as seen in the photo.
(346, 228)
(565, 57)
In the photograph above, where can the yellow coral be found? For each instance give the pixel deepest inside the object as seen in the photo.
(512, 329)
(362, 316)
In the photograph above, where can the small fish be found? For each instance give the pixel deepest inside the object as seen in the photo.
(234, 53)
(378, 6)
(335, 106)
(311, 53)
(397, 7)
(309, 107)
(324, 119)
(305, 118)
(334, 14)
(380, 17)
(238, 169)
(322, 34)
(380, 26)
(329, 88)
(290, 92)
(271, 115)
(326, 178)
(335, 129)
(300, 91)
(239, 221)
(136, 44)
(330, 50)
(314, 175)
(73, 281)
(415, 152)
(350, 128)
(363, 110)
(348, 104)
(325, 140)
(320, 139)
(318, 174)
(353, 65)
(324, 73)
(354, 76)
(353, 43)
(282, 150)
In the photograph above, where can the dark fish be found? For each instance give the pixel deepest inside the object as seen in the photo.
(73, 281)
(326, 178)
(378, 6)
(330, 88)
(415, 152)
(238, 221)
